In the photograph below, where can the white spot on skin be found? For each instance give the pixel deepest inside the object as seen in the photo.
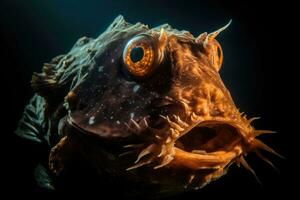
(136, 88)
(100, 69)
(131, 115)
(92, 120)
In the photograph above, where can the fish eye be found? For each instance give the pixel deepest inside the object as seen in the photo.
(139, 56)
(136, 54)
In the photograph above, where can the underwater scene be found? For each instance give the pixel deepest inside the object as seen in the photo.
(143, 99)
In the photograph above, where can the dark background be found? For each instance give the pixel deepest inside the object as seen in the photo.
(257, 70)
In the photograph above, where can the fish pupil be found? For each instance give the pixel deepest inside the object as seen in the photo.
(136, 54)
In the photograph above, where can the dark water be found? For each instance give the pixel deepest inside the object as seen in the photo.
(33, 32)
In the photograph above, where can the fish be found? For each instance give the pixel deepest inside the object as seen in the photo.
(144, 106)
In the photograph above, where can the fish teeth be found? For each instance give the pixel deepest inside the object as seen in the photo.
(145, 122)
(153, 130)
(166, 160)
(168, 140)
(172, 124)
(158, 137)
(185, 106)
(194, 117)
(126, 153)
(174, 133)
(137, 126)
(191, 178)
(163, 151)
(140, 164)
(180, 122)
(132, 129)
(145, 152)
(133, 145)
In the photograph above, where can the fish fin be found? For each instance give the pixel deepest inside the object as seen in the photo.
(43, 177)
(32, 124)
(43, 84)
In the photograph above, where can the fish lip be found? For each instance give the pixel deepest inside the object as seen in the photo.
(215, 159)
(184, 158)
(94, 132)
(206, 161)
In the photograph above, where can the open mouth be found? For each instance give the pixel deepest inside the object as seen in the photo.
(209, 146)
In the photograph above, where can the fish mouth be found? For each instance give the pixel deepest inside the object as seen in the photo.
(209, 145)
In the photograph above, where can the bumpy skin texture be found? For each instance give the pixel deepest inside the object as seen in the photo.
(173, 130)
